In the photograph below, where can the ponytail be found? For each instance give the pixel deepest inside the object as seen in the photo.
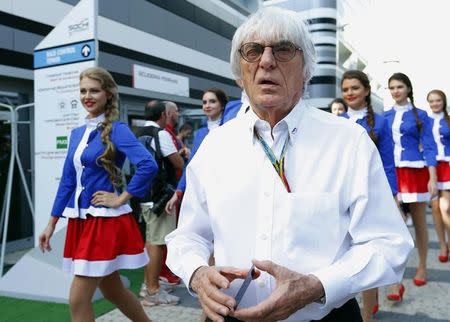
(371, 121)
(107, 158)
(416, 114)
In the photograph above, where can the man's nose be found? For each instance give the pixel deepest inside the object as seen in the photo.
(267, 58)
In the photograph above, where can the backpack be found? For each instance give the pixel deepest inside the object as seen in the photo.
(161, 190)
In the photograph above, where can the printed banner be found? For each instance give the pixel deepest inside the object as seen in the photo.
(68, 49)
(159, 81)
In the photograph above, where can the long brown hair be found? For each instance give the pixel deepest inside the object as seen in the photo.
(108, 84)
(220, 94)
(444, 101)
(364, 80)
(405, 80)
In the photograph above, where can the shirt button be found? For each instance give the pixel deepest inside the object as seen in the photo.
(82, 188)
(267, 194)
(83, 167)
(261, 284)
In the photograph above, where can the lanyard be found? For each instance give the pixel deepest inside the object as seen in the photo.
(278, 165)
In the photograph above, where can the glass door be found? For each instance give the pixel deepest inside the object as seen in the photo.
(20, 227)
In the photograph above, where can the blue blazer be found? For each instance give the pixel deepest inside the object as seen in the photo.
(444, 136)
(94, 177)
(385, 147)
(412, 139)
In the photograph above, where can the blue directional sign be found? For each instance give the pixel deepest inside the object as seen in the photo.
(65, 54)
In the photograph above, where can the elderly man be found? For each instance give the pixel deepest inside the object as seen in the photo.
(299, 192)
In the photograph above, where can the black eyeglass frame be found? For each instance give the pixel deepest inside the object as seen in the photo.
(274, 51)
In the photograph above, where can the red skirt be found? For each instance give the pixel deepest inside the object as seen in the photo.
(99, 246)
(413, 184)
(443, 175)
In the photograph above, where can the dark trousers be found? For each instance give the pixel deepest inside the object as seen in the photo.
(349, 312)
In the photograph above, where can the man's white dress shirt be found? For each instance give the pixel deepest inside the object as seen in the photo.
(340, 222)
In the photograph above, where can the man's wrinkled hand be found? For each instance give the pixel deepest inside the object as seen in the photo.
(207, 282)
(293, 291)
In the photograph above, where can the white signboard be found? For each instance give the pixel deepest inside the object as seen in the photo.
(159, 81)
(58, 60)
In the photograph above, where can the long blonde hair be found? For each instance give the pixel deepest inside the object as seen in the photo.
(108, 84)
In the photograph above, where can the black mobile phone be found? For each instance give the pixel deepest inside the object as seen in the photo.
(239, 294)
(244, 286)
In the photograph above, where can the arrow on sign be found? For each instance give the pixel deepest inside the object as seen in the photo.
(86, 50)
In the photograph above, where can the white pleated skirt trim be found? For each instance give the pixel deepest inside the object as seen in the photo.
(106, 267)
(414, 197)
(443, 185)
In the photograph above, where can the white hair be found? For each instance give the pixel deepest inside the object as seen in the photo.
(271, 25)
(170, 105)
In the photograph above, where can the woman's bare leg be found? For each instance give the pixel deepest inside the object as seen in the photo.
(420, 227)
(80, 298)
(115, 292)
(369, 301)
(444, 204)
(439, 226)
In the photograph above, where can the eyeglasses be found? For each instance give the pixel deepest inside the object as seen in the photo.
(283, 51)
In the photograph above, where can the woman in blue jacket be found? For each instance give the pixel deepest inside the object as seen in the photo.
(441, 206)
(355, 87)
(213, 104)
(415, 160)
(102, 235)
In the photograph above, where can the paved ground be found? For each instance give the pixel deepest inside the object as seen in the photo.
(430, 303)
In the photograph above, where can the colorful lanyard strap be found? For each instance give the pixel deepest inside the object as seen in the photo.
(278, 165)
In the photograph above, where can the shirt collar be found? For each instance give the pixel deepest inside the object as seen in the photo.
(213, 124)
(356, 114)
(403, 108)
(151, 123)
(437, 116)
(291, 122)
(93, 122)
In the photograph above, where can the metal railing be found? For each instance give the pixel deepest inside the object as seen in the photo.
(4, 216)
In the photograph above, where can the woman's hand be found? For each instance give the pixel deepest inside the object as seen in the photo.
(432, 188)
(185, 152)
(44, 237)
(432, 183)
(107, 199)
